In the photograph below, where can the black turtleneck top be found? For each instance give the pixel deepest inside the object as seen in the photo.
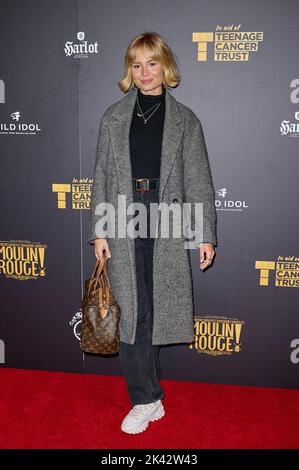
(146, 139)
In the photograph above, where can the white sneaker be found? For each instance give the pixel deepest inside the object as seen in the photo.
(138, 418)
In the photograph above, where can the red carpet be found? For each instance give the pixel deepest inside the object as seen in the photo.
(42, 410)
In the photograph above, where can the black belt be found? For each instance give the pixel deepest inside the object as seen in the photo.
(146, 184)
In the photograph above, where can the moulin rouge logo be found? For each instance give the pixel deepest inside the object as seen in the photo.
(22, 260)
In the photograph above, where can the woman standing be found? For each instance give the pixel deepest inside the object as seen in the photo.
(150, 149)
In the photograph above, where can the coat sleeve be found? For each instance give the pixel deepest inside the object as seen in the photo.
(198, 184)
(98, 192)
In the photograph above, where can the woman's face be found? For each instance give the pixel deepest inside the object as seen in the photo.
(146, 73)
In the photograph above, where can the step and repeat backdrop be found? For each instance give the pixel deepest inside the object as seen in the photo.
(59, 66)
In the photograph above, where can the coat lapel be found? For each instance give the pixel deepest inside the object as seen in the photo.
(120, 128)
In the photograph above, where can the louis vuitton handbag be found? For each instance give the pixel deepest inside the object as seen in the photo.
(100, 313)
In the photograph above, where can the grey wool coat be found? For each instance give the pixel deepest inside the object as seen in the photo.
(185, 176)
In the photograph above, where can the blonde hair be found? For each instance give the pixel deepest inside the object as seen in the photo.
(159, 51)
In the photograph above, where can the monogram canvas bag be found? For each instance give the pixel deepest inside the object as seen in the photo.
(100, 313)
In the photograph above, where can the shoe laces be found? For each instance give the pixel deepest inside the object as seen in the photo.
(143, 408)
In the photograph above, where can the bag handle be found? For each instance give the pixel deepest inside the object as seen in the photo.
(104, 290)
(94, 279)
(104, 299)
(105, 273)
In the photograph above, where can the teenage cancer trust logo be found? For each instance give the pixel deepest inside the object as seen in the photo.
(230, 44)
(285, 271)
(78, 193)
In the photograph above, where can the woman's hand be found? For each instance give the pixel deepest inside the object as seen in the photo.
(101, 248)
(206, 253)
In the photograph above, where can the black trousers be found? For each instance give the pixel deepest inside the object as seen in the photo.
(140, 361)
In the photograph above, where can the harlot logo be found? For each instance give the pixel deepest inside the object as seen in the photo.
(285, 271)
(230, 44)
(287, 127)
(290, 128)
(16, 126)
(82, 49)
